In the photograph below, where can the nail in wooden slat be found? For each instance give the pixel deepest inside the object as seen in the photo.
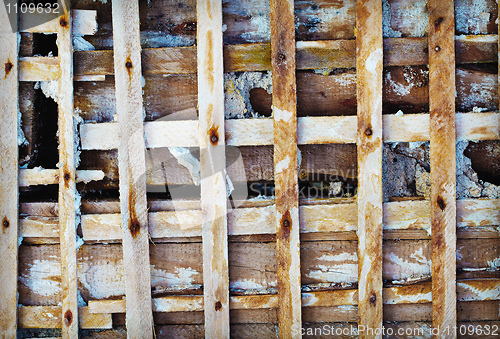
(67, 184)
(8, 177)
(443, 163)
(212, 162)
(369, 59)
(285, 166)
(132, 168)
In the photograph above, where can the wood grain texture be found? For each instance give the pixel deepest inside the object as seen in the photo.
(8, 177)
(310, 55)
(310, 130)
(212, 168)
(50, 317)
(284, 108)
(369, 59)
(178, 267)
(420, 293)
(84, 22)
(443, 162)
(33, 177)
(472, 216)
(132, 168)
(67, 173)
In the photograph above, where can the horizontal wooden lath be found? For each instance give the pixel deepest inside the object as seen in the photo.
(467, 290)
(404, 215)
(259, 132)
(257, 57)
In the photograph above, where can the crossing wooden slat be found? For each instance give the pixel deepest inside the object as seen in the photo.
(443, 163)
(132, 168)
(67, 172)
(369, 59)
(284, 100)
(8, 177)
(212, 168)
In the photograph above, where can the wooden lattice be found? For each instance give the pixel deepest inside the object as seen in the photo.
(365, 219)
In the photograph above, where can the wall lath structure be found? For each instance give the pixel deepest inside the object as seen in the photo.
(365, 220)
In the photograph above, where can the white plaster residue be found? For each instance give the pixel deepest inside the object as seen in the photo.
(398, 87)
(472, 19)
(477, 293)
(102, 279)
(177, 276)
(186, 159)
(340, 268)
(21, 139)
(281, 114)
(258, 30)
(250, 284)
(237, 88)
(494, 264)
(80, 44)
(322, 19)
(282, 165)
(49, 88)
(373, 59)
(417, 265)
(42, 277)
(415, 298)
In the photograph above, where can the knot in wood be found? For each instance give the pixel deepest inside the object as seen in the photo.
(68, 318)
(368, 132)
(8, 67)
(218, 306)
(6, 222)
(128, 64)
(63, 22)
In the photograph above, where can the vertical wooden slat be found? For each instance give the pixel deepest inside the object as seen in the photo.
(285, 166)
(8, 177)
(67, 185)
(132, 168)
(369, 52)
(212, 162)
(443, 163)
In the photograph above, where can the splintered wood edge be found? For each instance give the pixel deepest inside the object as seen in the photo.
(9, 182)
(33, 177)
(443, 162)
(67, 185)
(132, 168)
(284, 98)
(327, 130)
(212, 163)
(369, 64)
(403, 215)
(419, 293)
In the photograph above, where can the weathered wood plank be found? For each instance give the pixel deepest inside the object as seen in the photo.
(67, 173)
(327, 130)
(84, 22)
(9, 92)
(443, 163)
(50, 317)
(420, 293)
(212, 168)
(398, 216)
(310, 55)
(33, 177)
(369, 59)
(177, 268)
(284, 109)
(132, 167)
